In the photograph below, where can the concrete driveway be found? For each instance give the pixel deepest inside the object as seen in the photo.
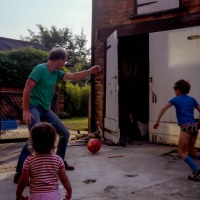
(140, 171)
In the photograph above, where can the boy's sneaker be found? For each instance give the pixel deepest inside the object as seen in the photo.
(195, 176)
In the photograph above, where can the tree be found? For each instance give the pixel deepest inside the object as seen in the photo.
(79, 55)
(74, 44)
(51, 38)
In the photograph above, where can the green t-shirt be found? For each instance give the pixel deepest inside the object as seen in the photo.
(43, 91)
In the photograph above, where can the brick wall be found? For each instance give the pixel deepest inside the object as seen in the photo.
(108, 15)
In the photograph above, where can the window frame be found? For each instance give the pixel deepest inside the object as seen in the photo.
(136, 15)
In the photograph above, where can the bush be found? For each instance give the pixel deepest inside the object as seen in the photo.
(76, 99)
(84, 100)
(16, 65)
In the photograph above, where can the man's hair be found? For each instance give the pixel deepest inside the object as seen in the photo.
(43, 138)
(57, 54)
(183, 86)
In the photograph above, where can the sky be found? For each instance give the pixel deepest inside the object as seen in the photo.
(17, 16)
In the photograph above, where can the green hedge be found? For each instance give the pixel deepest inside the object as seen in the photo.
(16, 65)
(76, 99)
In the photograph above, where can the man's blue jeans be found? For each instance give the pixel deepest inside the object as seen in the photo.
(48, 116)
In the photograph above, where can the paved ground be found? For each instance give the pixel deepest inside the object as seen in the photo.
(141, 171)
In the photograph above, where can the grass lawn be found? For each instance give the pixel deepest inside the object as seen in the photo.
(76, 123)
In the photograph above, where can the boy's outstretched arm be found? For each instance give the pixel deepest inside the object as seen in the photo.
(161, 113)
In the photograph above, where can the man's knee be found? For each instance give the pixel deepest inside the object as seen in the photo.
(64, 136)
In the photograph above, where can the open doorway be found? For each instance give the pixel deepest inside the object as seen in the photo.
(133, 55)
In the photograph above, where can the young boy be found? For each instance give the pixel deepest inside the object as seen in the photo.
(185, 105)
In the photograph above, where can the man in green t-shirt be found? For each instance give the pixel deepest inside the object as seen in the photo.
(37, 97)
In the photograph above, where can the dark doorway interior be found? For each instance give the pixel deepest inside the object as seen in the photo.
(133, 54)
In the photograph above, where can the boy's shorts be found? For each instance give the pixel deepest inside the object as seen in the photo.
(192, 129)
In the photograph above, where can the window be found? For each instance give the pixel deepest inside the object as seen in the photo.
(154, 6)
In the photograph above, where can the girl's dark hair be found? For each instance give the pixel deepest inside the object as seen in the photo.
(57, 54)
(43, 138)
(183, 86)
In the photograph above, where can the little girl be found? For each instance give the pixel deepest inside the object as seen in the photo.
(44, 168)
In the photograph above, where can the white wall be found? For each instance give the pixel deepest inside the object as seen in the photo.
(172, 57)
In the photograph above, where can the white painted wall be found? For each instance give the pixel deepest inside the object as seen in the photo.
(172, 57)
